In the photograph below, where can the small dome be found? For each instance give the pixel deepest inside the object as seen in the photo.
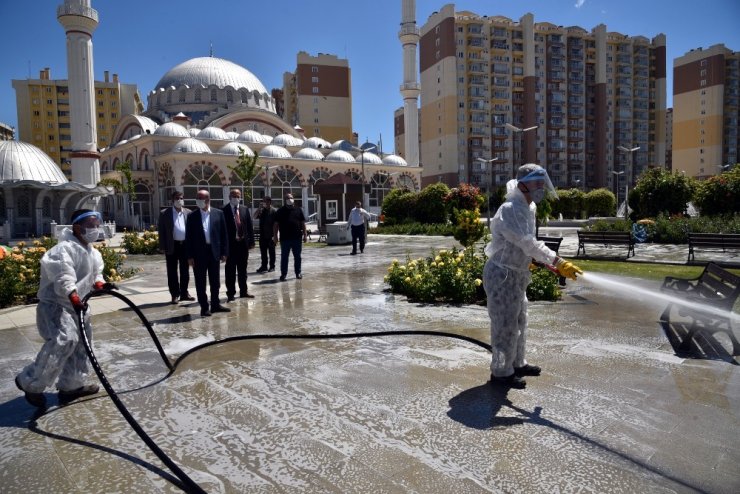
(287, 140)
(171, 129)
(213, 133)
(234, 147)
(191, 145)
(309, 154)
(252, 136)
(194, 131)
(394, 160)
(343, 145)
(341, 156)
(232, 135)
(368, 158)
(273, 151)
(316, 143)
(23, 161)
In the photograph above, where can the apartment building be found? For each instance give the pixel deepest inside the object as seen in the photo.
(520, 92)
(7, 133)
(318, 97)
(706, 89)
(44, 113)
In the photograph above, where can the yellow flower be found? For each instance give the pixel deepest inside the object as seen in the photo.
(385, 279)
(438, 259)
(112, 271)
(440, 264)
(478, 282)
(458, 273)
(434, 265)
(407, 279)
(418, 277)
(442, 252)
(402, 267)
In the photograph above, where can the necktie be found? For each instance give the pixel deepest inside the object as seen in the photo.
(238, 222)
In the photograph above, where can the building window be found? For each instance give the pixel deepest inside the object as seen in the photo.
(315, 90)
(51, 138)
(100, 92)
(101, 115)
(315, 80)
(314, 69)
(214, 95)
(100, 104)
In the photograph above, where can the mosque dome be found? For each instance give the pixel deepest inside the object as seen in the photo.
(210, 71)
(171, 129)
(273, 151)
(213, 133)
(309, 153)
(316, 142)
(343, 145)
(287, 140)
(194, 131)
(234, 147)
(394, 160)
(191, 145)
(340, 155)
(23, 161)
(369, 159)
(252, 136)
(232, 135)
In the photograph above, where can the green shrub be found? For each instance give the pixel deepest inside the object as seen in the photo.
(469, 228)
(465, 197)
(600, 202)
(413, 228)
(619, 225)
(719, 194)
(430, 204)
(398, 206)
(570, 203)
(147, 243)
(660, 191)
(455, 276)
(544, 285)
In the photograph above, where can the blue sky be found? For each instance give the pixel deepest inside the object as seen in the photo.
(141, 40)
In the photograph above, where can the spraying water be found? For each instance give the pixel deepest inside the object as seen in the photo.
(644, 295)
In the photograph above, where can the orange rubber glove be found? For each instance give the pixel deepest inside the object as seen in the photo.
(567, 268)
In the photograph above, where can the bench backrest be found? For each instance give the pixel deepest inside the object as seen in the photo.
(622, 237)
(715, 239)
(552, 243)
(719, 286)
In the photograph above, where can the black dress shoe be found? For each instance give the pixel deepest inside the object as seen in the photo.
(73, 394)
(205, 313)
(282, 277)
(353, 253)
(174, 300)
(230, 298)
(262, 270)
(219, 308)
(187, 298)
(36, 399)
(299, 276)
(271, 270)
(246, 295)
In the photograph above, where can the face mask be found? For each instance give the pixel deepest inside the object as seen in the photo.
(537, 195)
(201, 203)
(179, 203)
(289, 202)
(234, 201)
(91, 235)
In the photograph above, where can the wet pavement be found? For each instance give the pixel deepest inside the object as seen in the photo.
(615, 410)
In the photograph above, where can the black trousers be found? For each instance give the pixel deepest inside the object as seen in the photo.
(178, 284)
(208, 265)
(267, 249)
(236, 268)
(358, 232)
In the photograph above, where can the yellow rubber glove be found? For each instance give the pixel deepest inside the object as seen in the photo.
(567, 269)
(532, 266)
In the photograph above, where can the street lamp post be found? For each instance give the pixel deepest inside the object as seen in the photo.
(631, 151)
(362, 152)
(516, 130)
(490, 186)
(616, 188)
(267, 169)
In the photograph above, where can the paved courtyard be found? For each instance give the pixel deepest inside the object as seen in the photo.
(616, 410)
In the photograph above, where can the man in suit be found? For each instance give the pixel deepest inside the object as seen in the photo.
(241, 239)
(172, 243)
(206, 244)
(266, 215)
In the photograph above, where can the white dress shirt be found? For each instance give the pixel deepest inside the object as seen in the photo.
(178, 222)
(205, 217)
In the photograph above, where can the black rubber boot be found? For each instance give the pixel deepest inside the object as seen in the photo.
(36, 399)
(527, 370)
(89, 389)
(512, 381)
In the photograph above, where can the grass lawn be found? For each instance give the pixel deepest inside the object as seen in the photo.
(646, 271)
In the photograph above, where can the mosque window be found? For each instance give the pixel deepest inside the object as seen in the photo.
(197, 95)
(214, 96)
(24, 204)
(245, 97)
(182, 96)
(229, 96)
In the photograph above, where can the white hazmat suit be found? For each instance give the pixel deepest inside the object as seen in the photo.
(66, 267)
(506, 275)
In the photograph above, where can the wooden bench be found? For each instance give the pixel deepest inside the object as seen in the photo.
(606, 239)
(553, 243)
(714, 288)
(722, 241)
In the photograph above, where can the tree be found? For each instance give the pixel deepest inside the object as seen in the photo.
(398, 205)
(465, 197)
(719, 194)
(600, 202)
(570, 203)
(660, 191)
(246, 170)
(123, 186)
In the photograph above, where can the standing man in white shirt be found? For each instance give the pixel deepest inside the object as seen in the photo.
(172, 243)
(357, 219)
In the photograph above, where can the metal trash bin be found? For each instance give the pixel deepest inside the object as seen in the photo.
(338, 234)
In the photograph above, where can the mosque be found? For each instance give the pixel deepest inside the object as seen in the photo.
(199, 116)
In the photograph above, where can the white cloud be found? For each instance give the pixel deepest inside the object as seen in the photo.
(579, 3)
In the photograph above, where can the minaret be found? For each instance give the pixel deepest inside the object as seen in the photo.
(409, 36)
(79, 21)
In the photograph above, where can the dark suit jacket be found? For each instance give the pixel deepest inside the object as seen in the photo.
(166, 228)
(246, 220)
(195, 239)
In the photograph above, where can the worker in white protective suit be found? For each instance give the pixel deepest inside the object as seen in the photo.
(506, 274)
(69, 270)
